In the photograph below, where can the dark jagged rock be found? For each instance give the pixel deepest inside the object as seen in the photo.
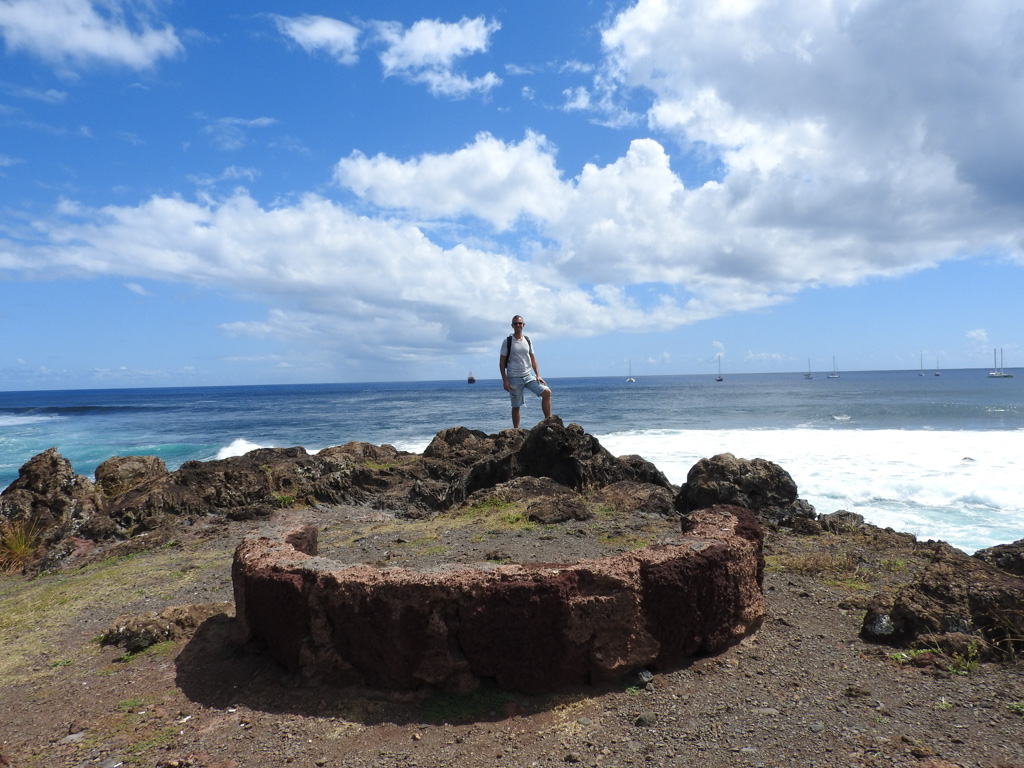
(136, 494)
(527, 627)
(1006, 557)
(240, 488)
(49, 497)
(120, 474)
(570, 456)
(958, 594)
(761, 486)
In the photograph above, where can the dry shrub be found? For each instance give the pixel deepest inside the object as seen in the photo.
(19, 543)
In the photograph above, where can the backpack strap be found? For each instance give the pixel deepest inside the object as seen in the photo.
(508, 346)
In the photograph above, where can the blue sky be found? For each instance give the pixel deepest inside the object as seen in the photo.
(270, 192)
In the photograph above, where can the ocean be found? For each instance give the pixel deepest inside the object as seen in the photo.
(936, 456)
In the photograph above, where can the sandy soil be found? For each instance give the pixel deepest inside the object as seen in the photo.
(803, 691)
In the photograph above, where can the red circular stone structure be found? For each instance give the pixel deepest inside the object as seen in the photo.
(529, 627)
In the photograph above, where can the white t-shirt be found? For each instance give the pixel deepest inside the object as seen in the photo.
(518, 363)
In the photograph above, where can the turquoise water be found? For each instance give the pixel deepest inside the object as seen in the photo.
(937, 456)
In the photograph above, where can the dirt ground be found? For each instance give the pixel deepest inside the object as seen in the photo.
(802, 691)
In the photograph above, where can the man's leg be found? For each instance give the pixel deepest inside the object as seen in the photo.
(515, 418)
(545, 403)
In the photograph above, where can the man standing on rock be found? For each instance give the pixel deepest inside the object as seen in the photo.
(519, 371)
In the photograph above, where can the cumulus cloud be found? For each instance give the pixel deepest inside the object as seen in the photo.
(80, 32)
(327, 273)
(842, 121)
(427, 53)
(576, 99)
(490, 179)
(320, 33)
(842, 149)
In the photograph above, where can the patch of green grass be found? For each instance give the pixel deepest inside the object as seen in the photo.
(1017, 707)
(628, 541)
(838, 569)
(33, 612)
(813, 563)
(853, 583)
(517, 521)
(282, 500)
(906, 656)
(130, 705)
(163, 648)
(966, 663)
(487, 508)
(157, 740)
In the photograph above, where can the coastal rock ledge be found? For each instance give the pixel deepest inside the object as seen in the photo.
(529, 627)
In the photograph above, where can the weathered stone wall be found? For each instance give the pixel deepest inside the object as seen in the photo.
(529, 627)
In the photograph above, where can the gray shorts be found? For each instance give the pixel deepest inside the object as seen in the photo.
(519, 383)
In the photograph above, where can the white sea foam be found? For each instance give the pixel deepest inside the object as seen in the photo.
(7, 420)
(958, 486)
(238, 447)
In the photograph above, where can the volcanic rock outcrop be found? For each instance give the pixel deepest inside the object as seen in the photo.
(960, 604)
(136, 494)
(761, 486)
(527, 626)
(1006, 557)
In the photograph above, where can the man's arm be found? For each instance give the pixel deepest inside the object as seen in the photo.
(502, 360)
(536, 368)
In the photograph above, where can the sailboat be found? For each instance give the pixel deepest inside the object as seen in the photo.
(937, 371)
(808, 374)
(998, 373)
(471, 379)
(630, 380)
(719, 376)
(835, 371)
(922, 365)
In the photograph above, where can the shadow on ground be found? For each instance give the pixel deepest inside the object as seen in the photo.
(213, 670)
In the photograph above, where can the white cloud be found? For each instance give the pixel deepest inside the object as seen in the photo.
(576, 99)
(843, 147)
(231, 132)
(331, 279)
(427, 53)
(232, 173)
(137, 289)
(319, 33)
(49, 96)
(80, 32)
(490, 179)
(838, 121)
